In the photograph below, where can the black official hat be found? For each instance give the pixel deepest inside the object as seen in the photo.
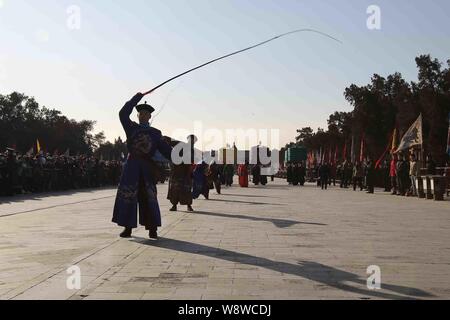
(145, 107)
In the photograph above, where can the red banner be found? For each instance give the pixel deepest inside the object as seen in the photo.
(390, 147)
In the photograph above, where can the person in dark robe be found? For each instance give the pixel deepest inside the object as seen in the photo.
(302, 174)
(243, 175)
(222, 174)
(357, 176)
(200, 181)
(180, 186)
(256, 174)
(214, 177)
(333, 171)
(384, 170)
(180, 181)
(228, 172)
(11, 171)
(324, 173)
(295, 175)
(263, 179)
(431, 165)
(344, 173)
(289, 173)
(365, 172)
(137, 187)
(402, 175)
(370, 176)
(348, 174)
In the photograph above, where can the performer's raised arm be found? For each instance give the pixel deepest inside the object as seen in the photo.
(126, 111)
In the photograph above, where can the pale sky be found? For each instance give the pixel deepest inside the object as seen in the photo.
(123, 47)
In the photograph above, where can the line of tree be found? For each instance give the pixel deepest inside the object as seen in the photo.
(387, 103)
(23, 122)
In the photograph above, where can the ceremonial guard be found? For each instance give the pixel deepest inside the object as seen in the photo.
(228, 172)
(214, 177)
(370, 176)
(295, 178)
(324, 174)
(243, 175)
(137, 186)
(200, 182)
(302, 174)
(289, 173)
(180, 181)
(256, 173)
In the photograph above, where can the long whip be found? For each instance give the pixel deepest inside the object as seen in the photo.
(240, 51)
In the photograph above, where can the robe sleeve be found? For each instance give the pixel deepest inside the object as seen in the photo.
(165, 149)
(125, 113)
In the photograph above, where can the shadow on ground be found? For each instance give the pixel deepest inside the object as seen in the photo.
(279, 223)
(244, 195)
(314, 271)
(246, 202)
(42, 196)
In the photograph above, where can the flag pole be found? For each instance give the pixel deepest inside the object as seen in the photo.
(422, 151)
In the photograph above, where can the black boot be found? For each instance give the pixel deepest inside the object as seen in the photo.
(173, 209)
(126, 233)
(153, 234)
(190, 209)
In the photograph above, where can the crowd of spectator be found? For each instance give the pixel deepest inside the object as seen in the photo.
(26, 173)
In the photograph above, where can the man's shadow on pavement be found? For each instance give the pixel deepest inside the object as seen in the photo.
(279, 223)
(314, 271)
(244, 195)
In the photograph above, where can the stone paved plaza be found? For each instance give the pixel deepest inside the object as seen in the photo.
(273, 242)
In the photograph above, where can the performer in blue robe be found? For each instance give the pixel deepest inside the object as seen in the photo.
(138, 182)
(200, 185)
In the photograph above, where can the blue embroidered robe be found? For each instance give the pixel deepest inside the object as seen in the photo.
(138, 183)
